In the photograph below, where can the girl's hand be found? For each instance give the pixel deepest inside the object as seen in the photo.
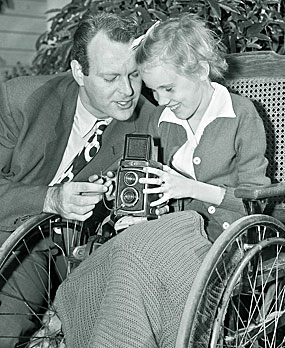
(170, 184)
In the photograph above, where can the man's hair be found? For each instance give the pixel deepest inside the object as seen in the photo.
(182, 42)
(116, 28)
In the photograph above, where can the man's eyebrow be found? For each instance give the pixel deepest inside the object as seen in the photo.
(108, 73)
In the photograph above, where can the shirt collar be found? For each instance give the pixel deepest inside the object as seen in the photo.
(85, 120)
(220, 106)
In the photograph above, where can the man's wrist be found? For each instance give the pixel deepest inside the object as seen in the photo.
(49, 201)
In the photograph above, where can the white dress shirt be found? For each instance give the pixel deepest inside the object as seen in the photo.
(81, 131)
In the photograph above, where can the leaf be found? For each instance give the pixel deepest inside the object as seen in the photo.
(158, 14)
(263, 37)
(215, 8)
(254, 45)
(254, 29)
(229, 8)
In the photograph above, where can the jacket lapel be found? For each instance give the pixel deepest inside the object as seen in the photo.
(62, 127)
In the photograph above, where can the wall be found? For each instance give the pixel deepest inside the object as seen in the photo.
(20, 27)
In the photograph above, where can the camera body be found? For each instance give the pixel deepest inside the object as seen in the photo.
(129, 198)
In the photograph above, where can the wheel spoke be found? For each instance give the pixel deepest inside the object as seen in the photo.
(241, 300)
(36, 256)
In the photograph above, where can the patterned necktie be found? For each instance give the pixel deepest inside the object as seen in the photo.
(86, 154)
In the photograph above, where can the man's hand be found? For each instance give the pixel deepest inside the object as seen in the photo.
(74, 200)
(109, 181)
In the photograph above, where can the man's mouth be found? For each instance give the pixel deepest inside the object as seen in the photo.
(125, 104)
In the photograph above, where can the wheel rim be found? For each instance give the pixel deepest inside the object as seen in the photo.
(201, 306)
(252, 314)
(36, 246)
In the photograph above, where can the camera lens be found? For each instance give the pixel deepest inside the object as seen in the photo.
(129, 196)
(130, 178)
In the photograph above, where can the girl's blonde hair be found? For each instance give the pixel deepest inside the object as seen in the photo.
(183, 42)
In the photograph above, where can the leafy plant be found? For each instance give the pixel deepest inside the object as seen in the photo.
(258, 25)
(243, 25)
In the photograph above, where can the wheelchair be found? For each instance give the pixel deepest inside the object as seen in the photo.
(46, 248)
(238, 296)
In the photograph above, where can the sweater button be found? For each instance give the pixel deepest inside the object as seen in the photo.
(226, 225)
(196, 160)
(211, 210)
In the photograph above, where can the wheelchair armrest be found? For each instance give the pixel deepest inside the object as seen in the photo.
(261, 192)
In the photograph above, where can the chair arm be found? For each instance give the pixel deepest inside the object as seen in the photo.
(261, 192)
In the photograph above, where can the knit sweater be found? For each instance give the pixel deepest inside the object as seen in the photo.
(131, 292)
(230, 154)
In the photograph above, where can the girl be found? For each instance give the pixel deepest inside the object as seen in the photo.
(213, 141)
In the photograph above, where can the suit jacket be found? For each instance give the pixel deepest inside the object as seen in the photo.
(36, 117)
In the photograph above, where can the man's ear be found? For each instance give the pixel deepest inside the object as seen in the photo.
(77, 72)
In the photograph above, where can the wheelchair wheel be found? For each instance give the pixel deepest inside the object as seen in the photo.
(34, 260)
(238, 296)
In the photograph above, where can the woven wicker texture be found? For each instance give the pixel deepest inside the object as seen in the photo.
(268, 95)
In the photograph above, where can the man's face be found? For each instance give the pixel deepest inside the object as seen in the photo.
(113, 86)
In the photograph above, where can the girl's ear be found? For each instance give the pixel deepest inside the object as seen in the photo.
(204, 70)
(77, 72)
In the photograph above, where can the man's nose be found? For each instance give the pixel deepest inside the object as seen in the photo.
(126, 87)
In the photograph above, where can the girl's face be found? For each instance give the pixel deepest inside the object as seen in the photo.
(185, 96)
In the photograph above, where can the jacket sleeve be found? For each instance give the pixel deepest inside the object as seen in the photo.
(251, 161)
(18, 200)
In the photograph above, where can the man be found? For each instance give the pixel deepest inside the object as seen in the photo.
(131, 292)
(46, 121)
(38, 116)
